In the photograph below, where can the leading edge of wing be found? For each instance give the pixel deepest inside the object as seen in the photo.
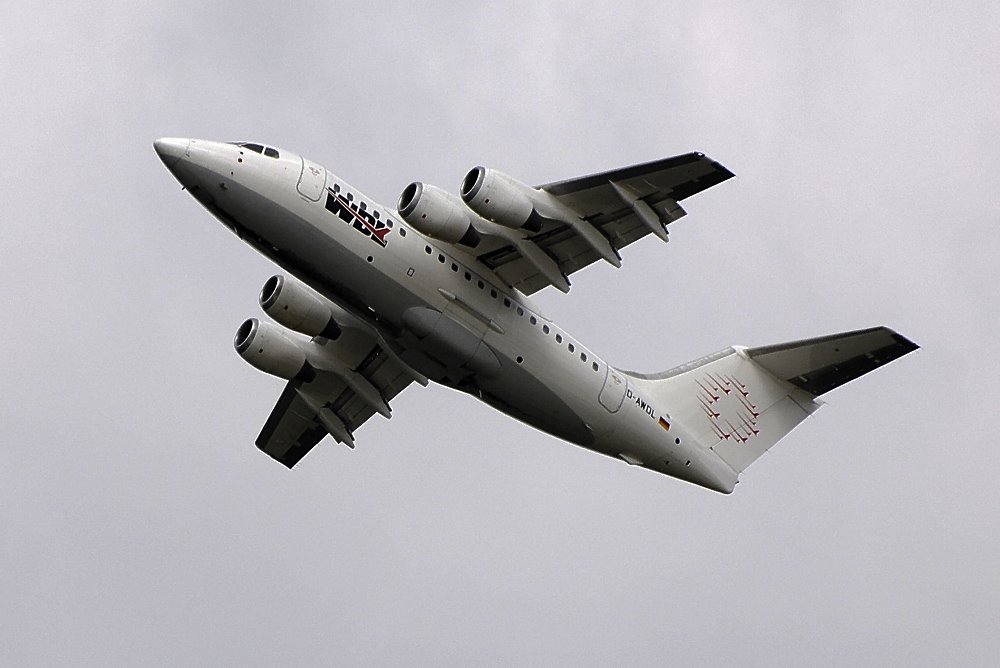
(715, 173)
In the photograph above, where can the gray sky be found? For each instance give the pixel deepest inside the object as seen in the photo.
(138, 524)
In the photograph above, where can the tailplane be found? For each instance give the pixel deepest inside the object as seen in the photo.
(740, 401)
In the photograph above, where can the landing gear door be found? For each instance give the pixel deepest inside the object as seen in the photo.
(312, 181)
(613, 391)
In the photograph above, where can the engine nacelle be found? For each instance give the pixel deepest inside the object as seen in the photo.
(268, 348)
(438, 214)
(502, 199)
(298, 308)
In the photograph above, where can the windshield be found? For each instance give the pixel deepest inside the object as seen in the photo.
(258, 148)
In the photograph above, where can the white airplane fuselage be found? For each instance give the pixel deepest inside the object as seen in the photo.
(491, 341)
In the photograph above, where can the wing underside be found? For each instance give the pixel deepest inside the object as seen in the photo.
(623, 205)
(334, 402)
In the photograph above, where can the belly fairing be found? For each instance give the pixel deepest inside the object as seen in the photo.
(521, 395)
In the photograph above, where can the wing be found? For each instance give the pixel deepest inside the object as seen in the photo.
(360, 380)
(621, 206)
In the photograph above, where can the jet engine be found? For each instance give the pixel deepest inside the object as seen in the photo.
(298, 308)
(438, 214)
(268, 348)
(502, 199)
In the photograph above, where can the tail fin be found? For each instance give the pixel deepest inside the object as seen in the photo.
(739, 402)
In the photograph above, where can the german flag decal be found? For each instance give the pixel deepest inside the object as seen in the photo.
(664, 424)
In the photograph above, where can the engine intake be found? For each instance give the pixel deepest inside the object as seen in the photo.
(268, 348)
(502, 199)
(298, 308)
(438, 214)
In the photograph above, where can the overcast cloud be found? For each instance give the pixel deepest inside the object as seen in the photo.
(138, 523)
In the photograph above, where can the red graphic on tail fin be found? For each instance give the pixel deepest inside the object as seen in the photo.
(733, 415)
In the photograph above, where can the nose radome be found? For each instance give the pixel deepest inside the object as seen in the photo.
(170, 149)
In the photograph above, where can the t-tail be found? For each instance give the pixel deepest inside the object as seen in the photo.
(740, 401)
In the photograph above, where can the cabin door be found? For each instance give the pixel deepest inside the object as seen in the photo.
(613, 391)
(312, 180)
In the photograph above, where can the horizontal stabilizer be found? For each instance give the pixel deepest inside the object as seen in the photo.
(739, 402)
(822, 364)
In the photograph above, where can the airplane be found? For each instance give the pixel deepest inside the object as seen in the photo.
(439, 289)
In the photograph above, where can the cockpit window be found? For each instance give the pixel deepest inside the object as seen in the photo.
(258, 148)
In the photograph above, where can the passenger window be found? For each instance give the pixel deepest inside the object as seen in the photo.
(558, 338)
(481, 284)
(506, 302)
(520, 311)
(571, 348)
(468, 276)
(596, 368)
(427, 249)
(545, 328)
(493, 293)
(454, 267)
(533, 321)
(583, 357)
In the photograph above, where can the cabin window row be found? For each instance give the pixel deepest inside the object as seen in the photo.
(455, 267)
(570, 346)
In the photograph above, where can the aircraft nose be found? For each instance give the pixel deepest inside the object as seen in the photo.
(170, 149)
